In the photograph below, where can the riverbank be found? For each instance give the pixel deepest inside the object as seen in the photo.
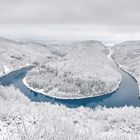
(131, 74)
(41, 91)
(19, 68)
(125, 70)
(127, 56)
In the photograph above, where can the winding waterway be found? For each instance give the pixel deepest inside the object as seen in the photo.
(126, 94)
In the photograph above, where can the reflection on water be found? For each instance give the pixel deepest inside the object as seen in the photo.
(127, 93)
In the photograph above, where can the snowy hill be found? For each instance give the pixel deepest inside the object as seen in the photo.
(83, 72)
(14, 55)
(127, 54)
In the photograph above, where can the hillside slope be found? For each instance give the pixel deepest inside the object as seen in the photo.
(127, 54)
(83, 72)
(14, 55)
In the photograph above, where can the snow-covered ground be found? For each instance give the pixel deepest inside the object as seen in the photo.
(82, 72)
(127, 55)
(22, 119)
(15, 55)
(25, 120)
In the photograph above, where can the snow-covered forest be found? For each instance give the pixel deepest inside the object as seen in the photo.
(83, 72)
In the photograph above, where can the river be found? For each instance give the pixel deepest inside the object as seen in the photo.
(126, 94)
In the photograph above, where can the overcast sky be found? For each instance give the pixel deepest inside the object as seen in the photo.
(101, 12)
(116, 16)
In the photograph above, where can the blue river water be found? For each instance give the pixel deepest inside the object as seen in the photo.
(127, 93)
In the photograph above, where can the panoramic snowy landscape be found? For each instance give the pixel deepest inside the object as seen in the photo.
(69, 70)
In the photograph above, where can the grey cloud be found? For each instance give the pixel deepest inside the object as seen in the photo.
(95, 12)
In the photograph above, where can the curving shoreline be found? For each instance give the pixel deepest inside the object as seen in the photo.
(27, 66)
(41, 91)
(125, 70)
(130, 73)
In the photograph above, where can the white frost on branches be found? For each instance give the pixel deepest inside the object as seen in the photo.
(21, 119)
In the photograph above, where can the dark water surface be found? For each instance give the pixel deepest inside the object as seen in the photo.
(127, 93)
